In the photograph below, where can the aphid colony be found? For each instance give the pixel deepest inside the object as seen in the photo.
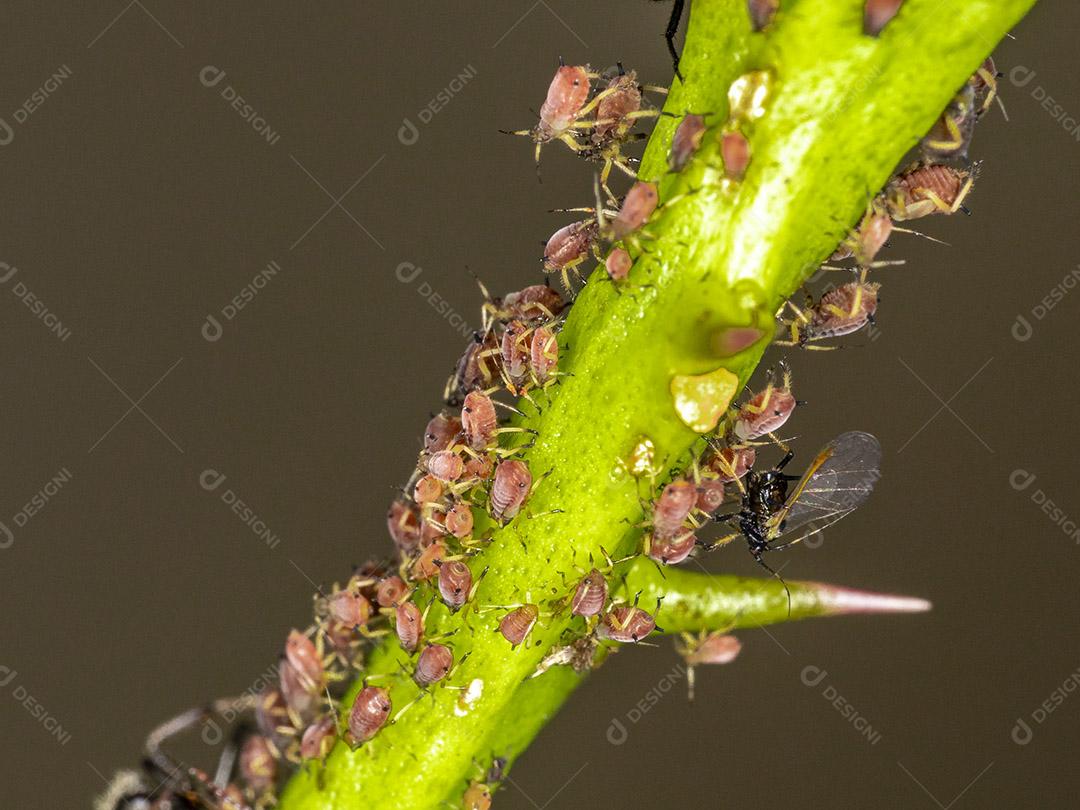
(472, 474)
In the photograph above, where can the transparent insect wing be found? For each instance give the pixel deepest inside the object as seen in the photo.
(840, 478)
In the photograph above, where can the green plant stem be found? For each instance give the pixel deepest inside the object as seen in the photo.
(842, 111)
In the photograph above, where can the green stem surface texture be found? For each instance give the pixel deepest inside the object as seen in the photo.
(841, 111)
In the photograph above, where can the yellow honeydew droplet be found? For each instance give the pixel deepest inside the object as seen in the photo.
(748, 94)
(700, 400)
(640, 460)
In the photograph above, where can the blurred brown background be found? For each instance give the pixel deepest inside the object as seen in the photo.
(138, 202)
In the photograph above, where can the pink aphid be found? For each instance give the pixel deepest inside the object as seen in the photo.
(455, 580)
(671, 549)
(732, 463)
(427, 489)
(257, 763)
(370, 711)
(537, 303)
(569, 246)
(614, 113)
(391, 591)
(869, 238)
(841, 311)
(459, 520)
(590, 595)
(479, 420)
(479, 468)
(686, 141)
(433, 664)
(440, 432)
(766, 412)
(477, 368)
(301, 653)
(628, 624)
(518, 623)
(349, 608)
(672, 507)
(735, 152)
(318, 739)
(409, 625)
(543, 354)
(432, 528)
(636, 209)
(762, 12)
(710, 495)
(446, 465)
(403, 523)
(878, 13)
(426, 565)
(566, 96)
(509, 489)
(731, 340)
(618, 264)
(717, 648)
(515, 352)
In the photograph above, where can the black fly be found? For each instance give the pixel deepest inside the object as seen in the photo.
(837, 481)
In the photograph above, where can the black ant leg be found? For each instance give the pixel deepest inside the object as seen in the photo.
(785, 460)
(669, 34)
(760, 561)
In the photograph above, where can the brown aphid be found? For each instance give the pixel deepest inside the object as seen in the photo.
(618, 264)
(731, 463)
(716, 648)
(509, 489)
(867, 240)
(767, 411)
(455, 580)
(671, 549)
(433, 664)
(841, 311)
(568, 247)
(628, 624)
(877, 14)
(950, 136)
(349, 608)
(391, 591)
(615, 114)
(686, 141)
(735, 152)
(673, 506)
(537, 303)
(477, 368)
(478, 420)
(543, 355)
(441, 432)
(922, 190)
(403, 523)
(637, 207)
(477, 797)
(299, 694)
(370, 711)
(590, 595)
(428, 488)
(446, 466)
(710, 495)
(515, 355)
(762, 12)
(518, 623)
(258, 767)
(459, 520)
(425, 566)
(408, 625)
(303, 655)
(318, 739)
